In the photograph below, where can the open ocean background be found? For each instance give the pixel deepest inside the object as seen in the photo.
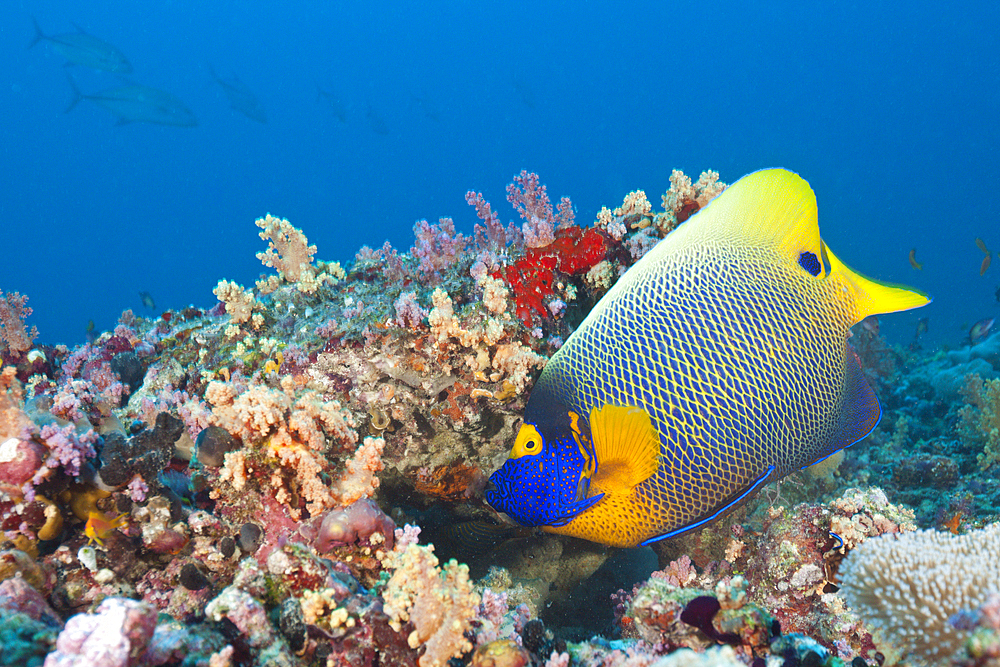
(890, 110)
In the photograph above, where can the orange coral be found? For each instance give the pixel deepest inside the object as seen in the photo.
(439, 602)
(13, 331)
(240, 303)
(450, 483)
(13, 421)
(288, 250)
(684, 199)
(294, 432)
(360, 480)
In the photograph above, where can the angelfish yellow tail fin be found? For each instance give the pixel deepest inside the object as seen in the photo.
(872, 297)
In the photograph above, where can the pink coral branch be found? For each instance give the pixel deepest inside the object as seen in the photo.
(13, 332)
(528, 197)
(531, 201)
(492, 238)
(438, 246)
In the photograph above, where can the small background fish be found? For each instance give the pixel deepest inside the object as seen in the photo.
(240, 97)
(137, 104)
(987, 259)
(79, 48)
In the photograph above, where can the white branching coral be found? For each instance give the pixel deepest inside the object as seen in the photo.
(288, 251)
(915, 587)
(240, 302)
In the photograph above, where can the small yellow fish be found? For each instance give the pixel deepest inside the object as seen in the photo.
(99, 526)
(913, 260)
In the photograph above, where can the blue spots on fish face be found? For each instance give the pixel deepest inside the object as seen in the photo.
(540, 484)
(810, 263)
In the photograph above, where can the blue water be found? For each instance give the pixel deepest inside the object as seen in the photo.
(889, 110)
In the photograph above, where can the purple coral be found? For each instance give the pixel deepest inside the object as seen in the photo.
(437, 246)
(115, 636)
(408, 311)
(68, 448)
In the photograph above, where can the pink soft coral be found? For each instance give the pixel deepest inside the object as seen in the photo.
(531, 201)
(13, 332)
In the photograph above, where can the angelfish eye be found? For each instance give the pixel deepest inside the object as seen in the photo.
(530, 445)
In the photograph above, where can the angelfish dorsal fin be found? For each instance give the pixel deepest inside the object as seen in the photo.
(626, 446)
(770, 208)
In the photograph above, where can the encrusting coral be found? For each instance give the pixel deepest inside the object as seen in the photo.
(979, 420)
(915, 587)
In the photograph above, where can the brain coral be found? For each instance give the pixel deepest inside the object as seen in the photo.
(911, 586)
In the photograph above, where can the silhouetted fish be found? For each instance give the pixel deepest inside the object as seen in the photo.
(525, 92)
(147, 300)
(469, 540)
(428, 105)
(138, 104)
(336, 104)
(980, 330)
(986, 260)
(79, 48)
(376, 122)
(241, 98)
(923, 324)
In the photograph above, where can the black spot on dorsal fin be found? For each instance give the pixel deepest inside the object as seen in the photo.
(810, 263)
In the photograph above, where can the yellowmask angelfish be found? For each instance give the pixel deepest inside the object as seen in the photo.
(718, 363)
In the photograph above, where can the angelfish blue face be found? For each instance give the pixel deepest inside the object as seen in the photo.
(543, 483)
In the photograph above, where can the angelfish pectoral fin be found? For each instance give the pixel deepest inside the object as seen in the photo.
(626, 446)
(740, 498)
(572, 510)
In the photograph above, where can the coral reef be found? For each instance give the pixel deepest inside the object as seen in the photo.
(243, 484)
